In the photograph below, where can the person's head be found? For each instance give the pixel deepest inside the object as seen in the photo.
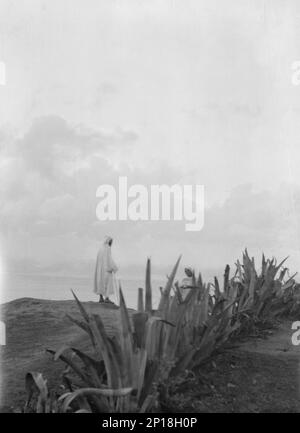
(188, 272)
(108, 241)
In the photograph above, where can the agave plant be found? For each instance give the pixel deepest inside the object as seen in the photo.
(201, 324)
(124, 372)
(266, 295)
(209, 321)
(117, 378)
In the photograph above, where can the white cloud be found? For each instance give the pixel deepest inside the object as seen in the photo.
(54, 215)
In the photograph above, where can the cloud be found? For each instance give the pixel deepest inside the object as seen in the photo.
(259, 220)
(51, 142)
(49, 179)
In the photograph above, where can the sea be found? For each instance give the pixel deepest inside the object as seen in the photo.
(55, 287)
(58, 287)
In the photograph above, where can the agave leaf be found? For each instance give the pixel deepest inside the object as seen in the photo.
(239, 271)
(117, 350)
(166, 291)
(178, 292)
(151, 376)
(81, 308)
(126, 338)
(139, 323)
(148, 403)
(83, 411)
(153, 334)
(140, 306)
(173, 335)
(203, 308)
(218, 293)
(289, 283)
(264, 264)
(73, 365)
(252, 283)
(124, 315)
(142, 363)
(34, 381)
(94, 367)
(82, 325)
(148, 294)
(226, 278)
(103, 346)
(291, 278)
(280, 265)
(84, 392)
(157, 335)
(60, 351)
(170, 281)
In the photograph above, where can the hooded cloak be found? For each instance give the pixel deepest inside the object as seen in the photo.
(105, 282)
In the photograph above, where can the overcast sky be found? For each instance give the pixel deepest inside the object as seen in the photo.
(161, 92)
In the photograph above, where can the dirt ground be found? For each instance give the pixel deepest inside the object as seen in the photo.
(260, 375)
(257, 375)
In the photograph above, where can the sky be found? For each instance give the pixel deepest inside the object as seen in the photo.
(163, 92)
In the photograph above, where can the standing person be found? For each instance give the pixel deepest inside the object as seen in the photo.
(105, 282)
(187, 282)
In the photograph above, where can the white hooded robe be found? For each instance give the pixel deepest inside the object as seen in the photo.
(105, 282)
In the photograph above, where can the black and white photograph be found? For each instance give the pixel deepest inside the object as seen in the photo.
(149, 209)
